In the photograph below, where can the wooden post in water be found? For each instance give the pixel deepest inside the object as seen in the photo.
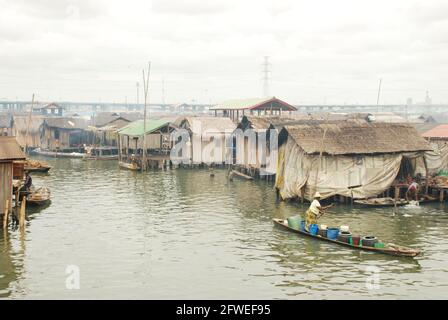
(28, 124)
(5, 216)
(22, 213)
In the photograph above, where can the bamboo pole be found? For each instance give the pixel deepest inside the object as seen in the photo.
(320, 160)
(28, 125)
(22, 213)
(145, 87)
(5, 216)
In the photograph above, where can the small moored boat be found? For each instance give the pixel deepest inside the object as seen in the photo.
(381, 202)
(39, 197)
(59, 154)
(390, 249)
(129, 166)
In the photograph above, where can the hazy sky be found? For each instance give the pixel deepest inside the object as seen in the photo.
(321, 51)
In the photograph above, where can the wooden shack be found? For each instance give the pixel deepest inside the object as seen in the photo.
(236, 109)
(10, 151)
(6, 123)
(64, 133)
(28, 130)
(49, 110)
(208, 138)
(158, 141)
(352, 158)
(105, 127)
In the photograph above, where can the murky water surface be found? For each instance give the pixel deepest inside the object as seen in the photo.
(182, 235)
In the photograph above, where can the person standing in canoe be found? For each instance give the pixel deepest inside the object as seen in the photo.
(315, 211)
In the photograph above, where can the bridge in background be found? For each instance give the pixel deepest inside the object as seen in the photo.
(92, 107)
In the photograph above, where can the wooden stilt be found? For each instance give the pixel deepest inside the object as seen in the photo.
(5, 216)
(22, 213)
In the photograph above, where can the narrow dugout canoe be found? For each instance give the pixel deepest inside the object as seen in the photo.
(390, 249)
(381, 202)
(39, 197)
(129, 166)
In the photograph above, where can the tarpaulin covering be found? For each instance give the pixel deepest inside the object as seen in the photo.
(301, 175)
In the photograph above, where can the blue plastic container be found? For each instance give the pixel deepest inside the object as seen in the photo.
(332, 233)
(302, 225)
(314, 228)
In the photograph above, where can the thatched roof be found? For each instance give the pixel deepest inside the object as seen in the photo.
(66, 123)
(354, 137)
(103, 118)
(10, 149)
(264, 122)
(202, 124)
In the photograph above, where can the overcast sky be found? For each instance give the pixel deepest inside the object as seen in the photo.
(208, 51)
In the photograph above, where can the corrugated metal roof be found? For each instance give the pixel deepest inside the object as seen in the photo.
(136, 128)
(66, 123)
(440, 131)
(10, 149)
(201, 125)
(103, 118)
(252, 103)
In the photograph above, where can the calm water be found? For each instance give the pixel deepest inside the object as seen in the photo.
(181, 234)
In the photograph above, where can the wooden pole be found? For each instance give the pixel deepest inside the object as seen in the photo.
(5, 216)
(22, 213)
(145, 85)
(320, 158)
(378, 97)
(28, 124)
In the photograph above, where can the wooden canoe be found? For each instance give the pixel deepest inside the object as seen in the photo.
(56, 154)
(37, 169)
(381, 202)
(129, 166)
(39, 197)
(389, 249)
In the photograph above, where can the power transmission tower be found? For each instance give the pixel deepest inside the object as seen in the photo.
(163, 91)
(266, 71)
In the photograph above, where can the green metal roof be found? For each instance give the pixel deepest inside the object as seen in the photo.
(136, 128)
(252, 103)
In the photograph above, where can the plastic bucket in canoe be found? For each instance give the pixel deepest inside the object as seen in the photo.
(344, 236)
(314, 228)
(369, 241)
(294, 222)
(355, 240)
(379, 245)
(332, 233)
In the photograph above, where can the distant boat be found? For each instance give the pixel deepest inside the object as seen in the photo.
(382, 202)
(129, 166)
(39, 197)
(34, 165)
(58, 154)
